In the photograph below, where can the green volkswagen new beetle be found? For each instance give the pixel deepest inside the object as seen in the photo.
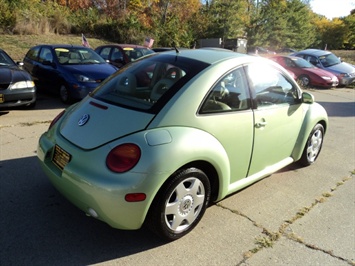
(167, 135)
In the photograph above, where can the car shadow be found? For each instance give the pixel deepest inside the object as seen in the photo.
(40, 227)
(339, 109)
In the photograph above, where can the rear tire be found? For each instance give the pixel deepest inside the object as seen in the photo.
(180, 204)
(313, 146)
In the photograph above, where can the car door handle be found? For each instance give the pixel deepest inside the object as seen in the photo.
(260, 124)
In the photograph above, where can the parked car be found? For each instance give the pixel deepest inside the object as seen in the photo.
(121, 54)
(306, 73)
(209, 123)
(71, 71)
(286, 50)
(328, 61)
(256, 50)
(16, 85)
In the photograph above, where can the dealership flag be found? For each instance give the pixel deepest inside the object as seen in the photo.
(84, 41)
(148, 42)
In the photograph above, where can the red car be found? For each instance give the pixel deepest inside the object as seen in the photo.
(306, 73)
(121, 54)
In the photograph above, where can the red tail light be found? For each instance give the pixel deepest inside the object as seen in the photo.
(55, 120)
(123, 157)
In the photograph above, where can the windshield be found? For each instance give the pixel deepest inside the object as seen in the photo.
(329, 60)
(5, 60)
(141, 85)
(78, 56)
(302, 63)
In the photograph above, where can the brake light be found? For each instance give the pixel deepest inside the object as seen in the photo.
(55, 120)
(123, 157)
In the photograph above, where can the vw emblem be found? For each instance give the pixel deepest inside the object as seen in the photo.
(83, 120)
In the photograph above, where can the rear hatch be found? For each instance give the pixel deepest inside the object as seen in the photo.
(92, 123)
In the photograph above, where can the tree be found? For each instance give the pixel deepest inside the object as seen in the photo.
(227, 18)
(349, 36)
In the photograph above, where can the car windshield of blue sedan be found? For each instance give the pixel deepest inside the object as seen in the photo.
(329, 60)
(78, 56)
(145, 83)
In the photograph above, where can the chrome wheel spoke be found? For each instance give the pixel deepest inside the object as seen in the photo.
(184, 204)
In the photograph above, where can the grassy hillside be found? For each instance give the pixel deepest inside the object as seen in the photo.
(17, 45)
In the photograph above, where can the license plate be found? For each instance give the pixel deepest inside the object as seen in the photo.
(60, 157)
(2, 98)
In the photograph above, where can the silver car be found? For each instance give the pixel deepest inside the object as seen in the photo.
(330, 62)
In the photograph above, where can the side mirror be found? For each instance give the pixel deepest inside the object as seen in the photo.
(307, 98)
(20, 64)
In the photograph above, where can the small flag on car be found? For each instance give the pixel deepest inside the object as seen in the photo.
(148, 42)
(84, 41)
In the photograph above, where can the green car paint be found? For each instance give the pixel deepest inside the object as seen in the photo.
(233, 147)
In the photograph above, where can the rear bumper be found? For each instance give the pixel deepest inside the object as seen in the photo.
(93, 193)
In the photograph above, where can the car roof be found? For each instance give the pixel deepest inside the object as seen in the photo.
(209, 55)
(123, 45)
(60, 46)
(315, 52)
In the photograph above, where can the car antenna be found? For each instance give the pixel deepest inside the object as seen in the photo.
(176, 49)
(171, 39)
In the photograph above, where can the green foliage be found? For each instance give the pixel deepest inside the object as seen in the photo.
(269, 23)
(349, 36)
(281, 23)
(7, 18)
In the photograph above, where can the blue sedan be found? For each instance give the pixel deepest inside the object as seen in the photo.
(70, 71)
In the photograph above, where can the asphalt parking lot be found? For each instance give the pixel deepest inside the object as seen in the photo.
(297, 216)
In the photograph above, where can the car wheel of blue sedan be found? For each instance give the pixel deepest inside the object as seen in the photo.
(180, 204)
(313, 146)
(64, 94)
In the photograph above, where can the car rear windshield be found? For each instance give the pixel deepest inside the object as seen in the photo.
(147, 84)
(134, 53)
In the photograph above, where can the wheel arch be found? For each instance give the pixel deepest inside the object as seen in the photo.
(316, 114)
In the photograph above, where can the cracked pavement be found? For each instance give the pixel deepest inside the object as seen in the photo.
(297, 216)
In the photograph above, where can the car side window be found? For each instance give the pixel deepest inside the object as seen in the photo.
(230, 93)
(105, 52)
(45, 55)
(313, 60)
(117, 55)
(270, 86)
(33, 53)
(289, 62)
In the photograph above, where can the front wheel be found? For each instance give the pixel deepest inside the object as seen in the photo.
(304, 81)
(64, 94)
(180, 204)
(313, 146)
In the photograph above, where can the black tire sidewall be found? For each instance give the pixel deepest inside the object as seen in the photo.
(304, 159)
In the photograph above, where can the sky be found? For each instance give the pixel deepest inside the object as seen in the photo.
(332, 8)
